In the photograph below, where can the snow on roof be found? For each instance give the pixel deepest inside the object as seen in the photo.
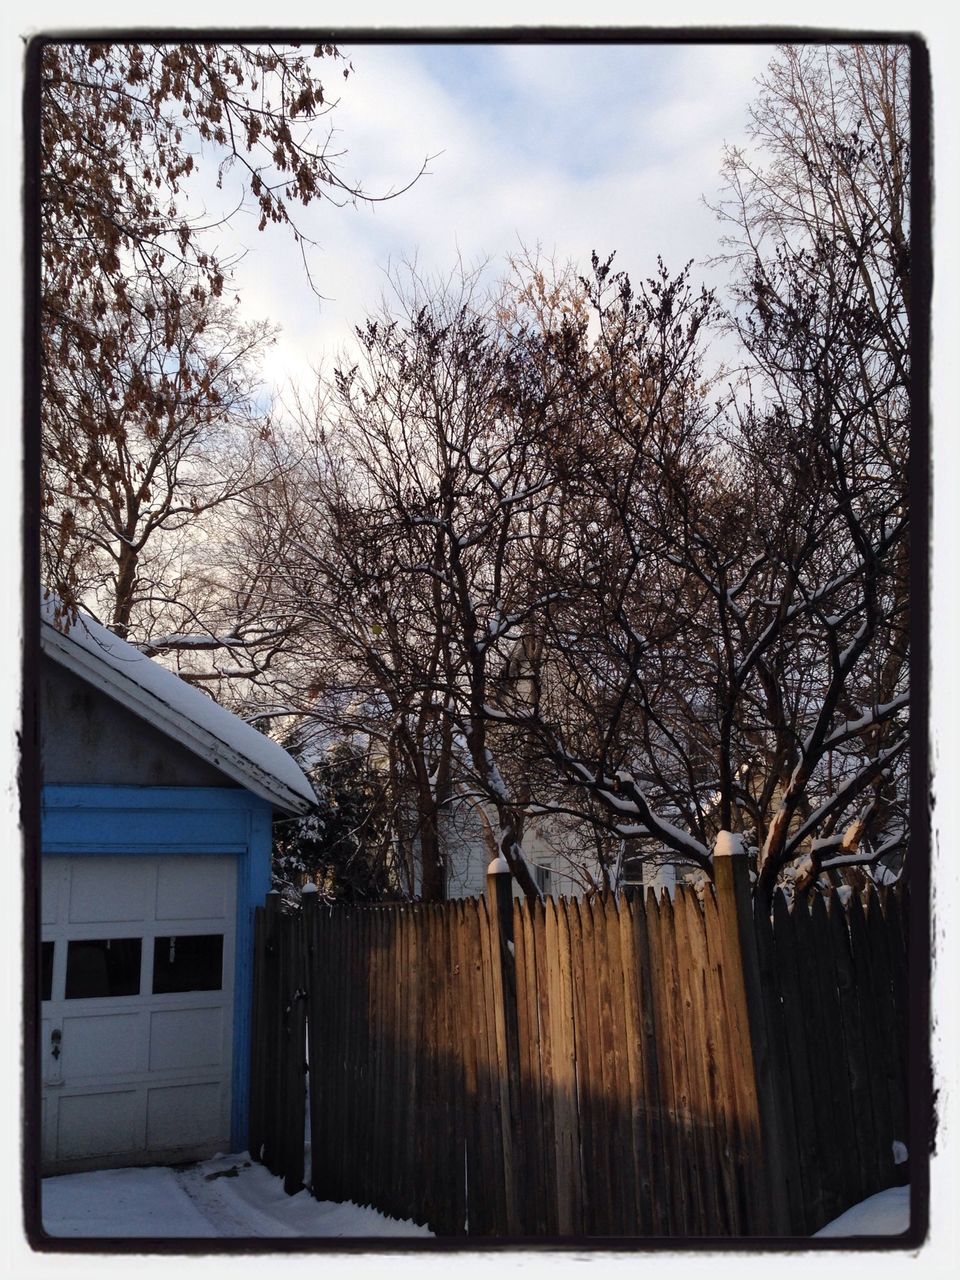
(177, 708)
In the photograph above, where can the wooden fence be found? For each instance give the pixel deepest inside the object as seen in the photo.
(585, 1068)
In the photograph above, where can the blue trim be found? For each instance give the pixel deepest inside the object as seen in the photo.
(146, 819)
(136, 820)
(253, 883)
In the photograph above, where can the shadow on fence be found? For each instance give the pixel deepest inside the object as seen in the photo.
(585, 1068)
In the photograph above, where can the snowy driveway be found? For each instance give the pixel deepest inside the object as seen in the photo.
(225, 1196)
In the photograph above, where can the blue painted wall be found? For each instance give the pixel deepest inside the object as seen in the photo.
(127, 821)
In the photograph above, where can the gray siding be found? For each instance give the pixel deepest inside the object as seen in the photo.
(88, 739)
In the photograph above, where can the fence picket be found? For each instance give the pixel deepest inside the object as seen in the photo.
(855, 1050)
(691, 942)
(833, 1050)
(812, 1126)
(538, 1140)
(663, 1038)
(726, 1108)
(588, 1065)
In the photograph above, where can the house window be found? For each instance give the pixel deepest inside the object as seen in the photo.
(103, 967)
(543, 878)
(191, 963)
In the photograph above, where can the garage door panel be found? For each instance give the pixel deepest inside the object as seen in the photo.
(193, 888)
(48, 1137)
(97, 1046)
(51, 880)
(99, 1124)
(196, 1110)
(110, 889)
(186, 1038)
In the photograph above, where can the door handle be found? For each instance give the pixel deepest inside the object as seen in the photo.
(55, 1037)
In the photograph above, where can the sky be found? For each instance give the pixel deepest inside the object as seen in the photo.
(572, 147)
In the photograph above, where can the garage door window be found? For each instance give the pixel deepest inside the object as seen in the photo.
(188, 963)
(103, 967)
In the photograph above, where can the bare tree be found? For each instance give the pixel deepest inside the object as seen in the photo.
(822, 232)
(162, 428)
(418, 550)
(542, 562)
(123, 128)
(723, 645)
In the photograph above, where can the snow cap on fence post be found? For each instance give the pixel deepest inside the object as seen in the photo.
(309, 896)
(729, 844)
(500, 896)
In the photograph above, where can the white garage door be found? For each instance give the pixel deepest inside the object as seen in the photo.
(137, 1025)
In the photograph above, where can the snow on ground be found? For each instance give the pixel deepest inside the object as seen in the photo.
(225, 1196)
(885, 1214)
(230, 1196)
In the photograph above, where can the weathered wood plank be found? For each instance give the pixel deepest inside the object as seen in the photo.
(544, 1016)
(812, 1128)
(693, 1156)
(722, 1065)
(503, 992)
(655, 1120)
(468, 959)
(815, 1034)
(491, 1096)
(875, 990)
(675, 1147)
(589, 1069)
(570, 1201)
(855, 1036)
(637, 1134)
(623, 1162)
(701, 1057)
(765, 1201)
(893, 1103)
(533, 1107)
(777, 1074)
(413, 972)
(833, 1051)
(457, 1013)
(608, 1214)
(555, 1065)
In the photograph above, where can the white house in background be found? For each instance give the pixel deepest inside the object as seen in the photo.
(155, 842)
(469, 852)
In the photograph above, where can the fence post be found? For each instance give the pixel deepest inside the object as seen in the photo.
(500, 898)
(270, 1030)
(739, 948)
(258, 1040)
(309, 902)
(293, 1002)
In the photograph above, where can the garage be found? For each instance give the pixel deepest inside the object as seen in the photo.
(157, 807)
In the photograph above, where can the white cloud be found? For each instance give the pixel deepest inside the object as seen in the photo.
(536, 144)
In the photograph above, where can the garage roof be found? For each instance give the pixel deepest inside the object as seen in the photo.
(178, 709)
